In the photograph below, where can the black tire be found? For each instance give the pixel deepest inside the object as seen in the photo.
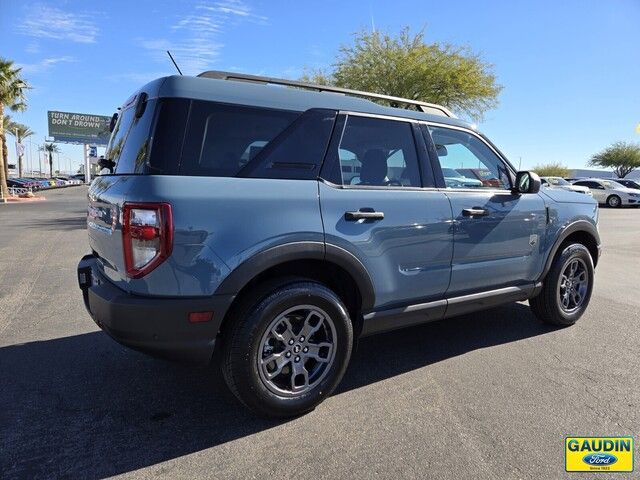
(242, 347)
(547, 306)
(614, 201)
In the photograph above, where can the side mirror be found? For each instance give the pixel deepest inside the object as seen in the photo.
(527, 182)
(442, 150)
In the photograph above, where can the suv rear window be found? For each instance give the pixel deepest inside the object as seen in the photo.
(129, 143)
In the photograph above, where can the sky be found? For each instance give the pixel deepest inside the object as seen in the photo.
(570, 69)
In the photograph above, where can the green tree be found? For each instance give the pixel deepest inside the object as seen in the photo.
(20, 132)
(623, 157)
(12, 96)
(50, 148)
(551, 170)
(405, 66)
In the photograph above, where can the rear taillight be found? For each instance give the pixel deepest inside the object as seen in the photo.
(147, 236)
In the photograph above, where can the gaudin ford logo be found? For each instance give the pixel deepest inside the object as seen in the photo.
(599, 454)
(599, 459)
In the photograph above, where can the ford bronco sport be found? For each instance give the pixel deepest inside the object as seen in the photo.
(276, 225)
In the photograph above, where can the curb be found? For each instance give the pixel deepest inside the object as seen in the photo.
(22, 200)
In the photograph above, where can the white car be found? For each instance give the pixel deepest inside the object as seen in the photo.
(559, 182)
(454, 179)
(610, 192)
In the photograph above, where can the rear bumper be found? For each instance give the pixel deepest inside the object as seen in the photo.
(157, 326)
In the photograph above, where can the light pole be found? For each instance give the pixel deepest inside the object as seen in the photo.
(30, 157)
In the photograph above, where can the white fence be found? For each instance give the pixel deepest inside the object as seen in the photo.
(15, 191)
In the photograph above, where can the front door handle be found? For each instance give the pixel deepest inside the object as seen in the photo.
(474, 212)
(363, 214)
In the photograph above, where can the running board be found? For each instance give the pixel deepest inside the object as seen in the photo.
(392, 319)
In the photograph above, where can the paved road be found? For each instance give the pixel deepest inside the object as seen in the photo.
(489, 395)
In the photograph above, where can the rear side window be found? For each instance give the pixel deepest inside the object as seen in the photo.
(221, 139)
(297, 152)
(589, 184)
(129, 144)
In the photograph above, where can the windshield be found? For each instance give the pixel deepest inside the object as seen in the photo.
(557, 181)
(612, 184)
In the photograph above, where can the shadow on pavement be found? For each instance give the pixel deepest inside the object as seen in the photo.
(58, 223)
(83, 406)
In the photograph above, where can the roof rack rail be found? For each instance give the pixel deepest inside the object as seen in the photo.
(394, 101)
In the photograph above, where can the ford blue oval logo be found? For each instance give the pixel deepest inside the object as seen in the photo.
(599, 459)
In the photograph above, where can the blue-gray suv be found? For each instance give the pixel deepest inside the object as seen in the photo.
(268, 224)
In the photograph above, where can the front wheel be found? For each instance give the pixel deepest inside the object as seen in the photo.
(289, 349)
(614, 201)
(567, 288)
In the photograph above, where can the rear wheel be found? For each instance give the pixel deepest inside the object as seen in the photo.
(288, 349)
(614, 201)
(567, 287)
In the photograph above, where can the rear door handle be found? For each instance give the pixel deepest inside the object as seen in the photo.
(474, 212)
(363, 214)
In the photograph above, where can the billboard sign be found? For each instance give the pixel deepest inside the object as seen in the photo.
(67, 127)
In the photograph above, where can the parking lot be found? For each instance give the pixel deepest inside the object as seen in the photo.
(487, 395)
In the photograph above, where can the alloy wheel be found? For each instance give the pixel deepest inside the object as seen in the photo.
(573, 285)
(297, 350)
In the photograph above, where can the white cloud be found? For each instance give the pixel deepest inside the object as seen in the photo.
(195, 40)
(44, 21)
(45, 64)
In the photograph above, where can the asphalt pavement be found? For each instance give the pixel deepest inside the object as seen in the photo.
(488, 395)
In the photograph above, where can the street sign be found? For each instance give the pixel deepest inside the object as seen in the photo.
(93, 151)
(79, 128)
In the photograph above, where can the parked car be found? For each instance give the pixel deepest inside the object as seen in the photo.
(485, 176)
(43, 182)
(611, 193)
(236, 230)
(79, 176)
(454, 179)
(559, 182)
(63, 181)
(629, 183)
(21, 183)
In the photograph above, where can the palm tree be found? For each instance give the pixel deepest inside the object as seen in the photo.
(21, 132)
(50, 148)
(12, 95)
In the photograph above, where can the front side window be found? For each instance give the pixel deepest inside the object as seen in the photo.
(467, 162)
(378, 152)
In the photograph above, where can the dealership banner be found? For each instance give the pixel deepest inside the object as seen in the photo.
(67, 127)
